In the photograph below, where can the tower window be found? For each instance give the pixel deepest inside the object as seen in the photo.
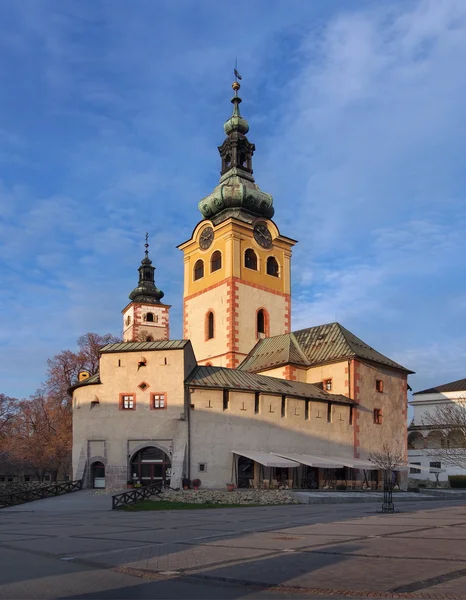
(262, 323)
(210, 325)
(150, 317)
(250, 259)
(272, 266)
(128, 320)
(198, 270)
(216, 261)
(328, 385)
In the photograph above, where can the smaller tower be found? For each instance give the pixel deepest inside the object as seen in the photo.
(145, 318)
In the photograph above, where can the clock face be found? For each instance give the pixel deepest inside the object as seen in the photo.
(262, 235)
(207, 237)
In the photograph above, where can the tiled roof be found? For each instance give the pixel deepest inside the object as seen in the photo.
(313, 346)
(140, 346)
(454, 386)
(223, 378)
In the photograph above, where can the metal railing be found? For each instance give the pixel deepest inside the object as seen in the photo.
(20, 496)
(136, 495)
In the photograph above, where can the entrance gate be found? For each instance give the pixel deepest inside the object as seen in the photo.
(151, 465)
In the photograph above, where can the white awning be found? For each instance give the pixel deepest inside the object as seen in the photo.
(313, 461)
(266, 459)
(330, 462)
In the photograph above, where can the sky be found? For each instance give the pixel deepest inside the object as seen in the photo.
(110, 117)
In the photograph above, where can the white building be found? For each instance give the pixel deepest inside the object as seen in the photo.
(424, 440)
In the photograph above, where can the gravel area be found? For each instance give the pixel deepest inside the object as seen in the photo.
(225, 497)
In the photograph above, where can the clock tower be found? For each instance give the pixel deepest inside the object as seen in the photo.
(236, 264)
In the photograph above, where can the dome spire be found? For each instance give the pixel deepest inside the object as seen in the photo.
(146, 291)
(237, 193)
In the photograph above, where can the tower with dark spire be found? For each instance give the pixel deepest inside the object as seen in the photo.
(145, 318)
(236, 264)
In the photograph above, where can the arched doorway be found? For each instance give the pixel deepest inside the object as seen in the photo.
(98, 475)
(245, 471)
(151, 465)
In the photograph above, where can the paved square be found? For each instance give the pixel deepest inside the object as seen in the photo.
(76, 547)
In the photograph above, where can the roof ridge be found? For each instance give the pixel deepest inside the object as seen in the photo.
(295, 343)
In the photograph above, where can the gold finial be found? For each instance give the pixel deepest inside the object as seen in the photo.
(236, 86)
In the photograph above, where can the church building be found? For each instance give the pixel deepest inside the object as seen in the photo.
(241, 398)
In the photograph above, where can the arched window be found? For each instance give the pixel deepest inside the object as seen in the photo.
(210, 325)
(250, 259)
(261, 323)
(198, 270)
(272, 266)
(216, 261)
(150, 317)
(149, 338)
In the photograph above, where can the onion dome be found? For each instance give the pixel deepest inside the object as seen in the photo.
(237, 194)
(146, 291)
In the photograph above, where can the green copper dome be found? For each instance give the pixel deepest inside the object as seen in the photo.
(237, 190)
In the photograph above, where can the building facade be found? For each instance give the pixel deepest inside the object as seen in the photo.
(241, 397)
(429, 447)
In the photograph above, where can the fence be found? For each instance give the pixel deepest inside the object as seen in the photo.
(19, 494)
(136, 495)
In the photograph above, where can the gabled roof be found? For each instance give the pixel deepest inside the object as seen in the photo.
(454, 386)
(313, 346)
(233, 379)
(140, 346)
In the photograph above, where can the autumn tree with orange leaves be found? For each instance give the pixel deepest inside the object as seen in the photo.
(36, 434)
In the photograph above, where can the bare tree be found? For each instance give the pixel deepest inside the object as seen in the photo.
(448, 420)
(388, 459)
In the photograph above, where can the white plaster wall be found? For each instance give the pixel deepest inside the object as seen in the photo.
(119, 374)
(215, 432)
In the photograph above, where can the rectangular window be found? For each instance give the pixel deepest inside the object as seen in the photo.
(226, 399)
(377, 416)
(379, 385)
(202, 467)
(283, 406)
(127, 402)
(350, 415)
(256, 403)
(328, 385)
(413, 471)
(435, 465)
(158, 400)
(306, 409)
(329, 412)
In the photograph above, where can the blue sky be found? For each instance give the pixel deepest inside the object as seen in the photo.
(110, 117)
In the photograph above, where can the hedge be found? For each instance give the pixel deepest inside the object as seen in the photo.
(457, 481)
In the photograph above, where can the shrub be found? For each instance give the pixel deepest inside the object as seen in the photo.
(341, 487)
(422, 485)
(196, 483)
(457, 481)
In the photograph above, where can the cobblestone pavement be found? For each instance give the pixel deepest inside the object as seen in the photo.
(50, 549)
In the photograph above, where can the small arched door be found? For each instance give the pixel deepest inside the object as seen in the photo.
(151, 465)
(98, 475)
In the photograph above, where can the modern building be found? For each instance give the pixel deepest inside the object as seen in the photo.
(429, 447)
(241, 397)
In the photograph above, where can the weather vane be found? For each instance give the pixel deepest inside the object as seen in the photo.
(147, 244)
(237, 75)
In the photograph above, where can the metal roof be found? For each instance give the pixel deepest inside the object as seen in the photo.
(93, 379)
(454, 386)
(313, 346)
(223, 378)
(143, 346)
